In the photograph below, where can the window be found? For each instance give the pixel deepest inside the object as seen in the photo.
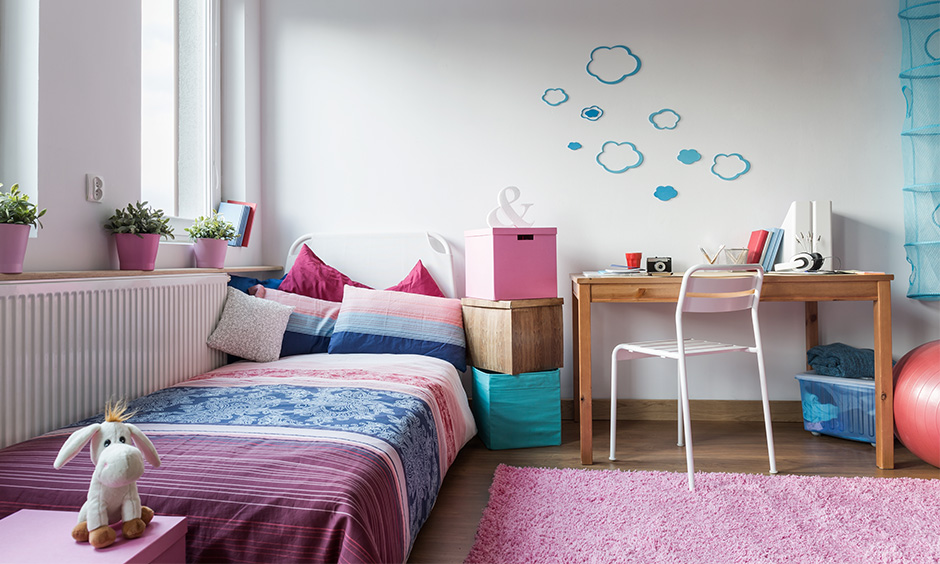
(19, 97)
(180, 106)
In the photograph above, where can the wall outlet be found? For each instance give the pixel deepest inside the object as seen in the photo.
(94, 188)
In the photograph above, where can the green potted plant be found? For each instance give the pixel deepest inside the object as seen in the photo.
(17, 214)
(211, 236)
(137, 231)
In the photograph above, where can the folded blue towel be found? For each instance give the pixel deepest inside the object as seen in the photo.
(842, 360)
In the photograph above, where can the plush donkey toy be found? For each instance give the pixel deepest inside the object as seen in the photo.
(112, 495)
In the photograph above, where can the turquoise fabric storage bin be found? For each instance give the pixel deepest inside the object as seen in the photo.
(517, 410)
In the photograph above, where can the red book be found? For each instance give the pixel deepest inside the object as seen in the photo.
(755, 247)
(251, 218)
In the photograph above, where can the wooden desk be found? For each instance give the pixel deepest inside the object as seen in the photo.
(807, 288)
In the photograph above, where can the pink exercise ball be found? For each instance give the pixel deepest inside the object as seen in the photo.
(917, 401)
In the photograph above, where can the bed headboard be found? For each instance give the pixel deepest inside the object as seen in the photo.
(381, 260)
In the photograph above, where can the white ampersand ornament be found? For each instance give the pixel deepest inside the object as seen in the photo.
(505, 200)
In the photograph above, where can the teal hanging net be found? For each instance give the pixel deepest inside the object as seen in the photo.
(920, 137)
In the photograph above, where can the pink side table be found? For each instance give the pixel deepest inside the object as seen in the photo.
(31, 535)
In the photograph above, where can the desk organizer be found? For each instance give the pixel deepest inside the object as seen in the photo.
(840, 407)
(517, 410)
(920, 137)
(511, 263)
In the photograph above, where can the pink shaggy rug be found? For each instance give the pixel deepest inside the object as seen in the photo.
(567, 515)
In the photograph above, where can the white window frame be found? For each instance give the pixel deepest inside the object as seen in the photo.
(205, 195)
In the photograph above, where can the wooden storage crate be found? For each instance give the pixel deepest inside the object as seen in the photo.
(514, 336)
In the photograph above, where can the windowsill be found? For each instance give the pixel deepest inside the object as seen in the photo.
(75, 274)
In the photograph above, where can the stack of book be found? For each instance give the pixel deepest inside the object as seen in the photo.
(241, 215)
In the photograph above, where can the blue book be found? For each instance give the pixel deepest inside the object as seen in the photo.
(237, 215)
(773, 248)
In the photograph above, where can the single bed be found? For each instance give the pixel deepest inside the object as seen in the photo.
(315, 457)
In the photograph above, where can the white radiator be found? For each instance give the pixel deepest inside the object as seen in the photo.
(66, 346)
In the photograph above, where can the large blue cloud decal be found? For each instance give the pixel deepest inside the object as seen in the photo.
(729, 167)
(555, 96)
(619, 157)
(665, 119)
(611, 65)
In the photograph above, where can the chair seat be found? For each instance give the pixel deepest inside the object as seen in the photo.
(670, 348)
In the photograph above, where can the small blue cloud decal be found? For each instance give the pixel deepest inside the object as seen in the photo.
(729, 167)
(611, 65)
(689, 156)
(555, 96)
(592, 113)
(665, 193)
(665, 119)
(619, 157)
(574, 145)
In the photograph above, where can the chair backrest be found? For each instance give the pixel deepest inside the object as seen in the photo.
(711, 288)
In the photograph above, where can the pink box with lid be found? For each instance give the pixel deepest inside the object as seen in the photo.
(511, 263)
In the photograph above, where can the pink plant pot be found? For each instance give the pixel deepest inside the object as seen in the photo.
(137, 252)
(210, 253)
(13, 238)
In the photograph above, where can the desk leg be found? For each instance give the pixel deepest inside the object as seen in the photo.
(884, 379)
(582, 368)
(812, 326)
(575, 353)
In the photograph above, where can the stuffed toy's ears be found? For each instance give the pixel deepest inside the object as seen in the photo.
(73, 445)
(145, 446)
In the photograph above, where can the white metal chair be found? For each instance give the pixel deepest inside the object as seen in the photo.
(703, 290)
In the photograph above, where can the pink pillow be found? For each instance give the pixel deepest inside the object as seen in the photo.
(312, 277)
(419, 281)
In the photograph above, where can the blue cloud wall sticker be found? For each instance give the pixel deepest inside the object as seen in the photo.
(555, 96)
(611, 65)
(665, 119)
(689, 156)
(619, 157)
(730, 166)
(665, 193)
(592, 113)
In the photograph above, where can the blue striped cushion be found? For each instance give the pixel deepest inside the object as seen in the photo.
(380, 321)
(310, 325)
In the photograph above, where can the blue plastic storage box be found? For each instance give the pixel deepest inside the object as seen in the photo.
(841, 407)
(517, 410)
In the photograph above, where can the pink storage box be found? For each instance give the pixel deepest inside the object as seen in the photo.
(32, 535)
(511, 263)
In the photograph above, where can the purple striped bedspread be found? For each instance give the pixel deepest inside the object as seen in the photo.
(312, 458)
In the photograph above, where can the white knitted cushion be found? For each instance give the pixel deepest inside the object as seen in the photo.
(250, 327)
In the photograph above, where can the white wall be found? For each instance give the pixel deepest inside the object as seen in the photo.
(371, 115)
(410, 114)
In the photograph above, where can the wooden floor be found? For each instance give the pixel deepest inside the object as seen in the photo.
(644, 445)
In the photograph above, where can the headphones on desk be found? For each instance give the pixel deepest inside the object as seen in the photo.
(802, 261)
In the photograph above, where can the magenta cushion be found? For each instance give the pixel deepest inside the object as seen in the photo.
(312, 277)
(419, 281)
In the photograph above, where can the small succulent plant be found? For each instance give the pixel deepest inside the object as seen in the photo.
(139, 219)
(16, 208)
(213, 227)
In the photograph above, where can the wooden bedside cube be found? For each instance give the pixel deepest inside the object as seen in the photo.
(514, 336)
(32, 535)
